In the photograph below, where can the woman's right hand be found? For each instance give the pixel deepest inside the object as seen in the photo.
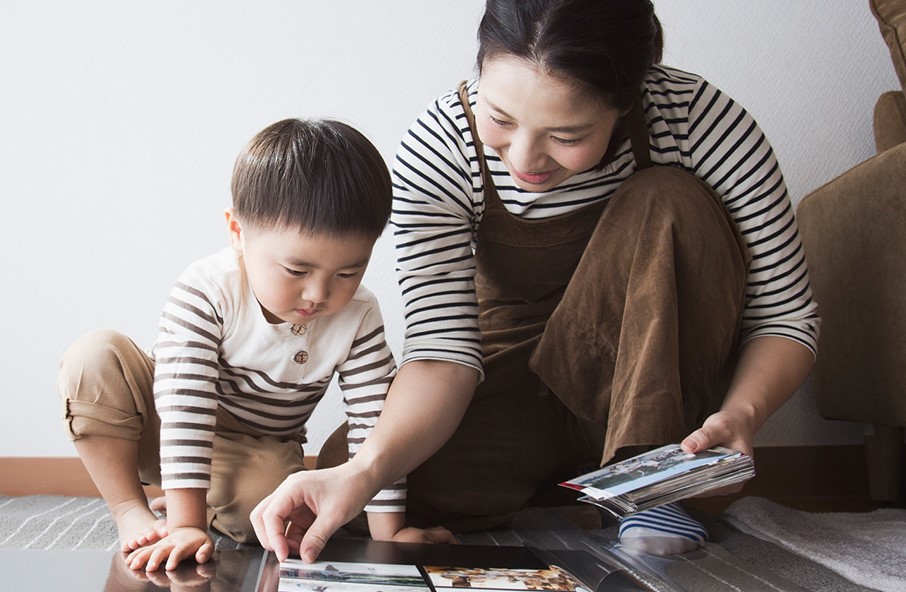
(308, 507)
(427, 399)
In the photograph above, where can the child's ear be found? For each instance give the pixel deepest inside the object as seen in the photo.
(234, 228)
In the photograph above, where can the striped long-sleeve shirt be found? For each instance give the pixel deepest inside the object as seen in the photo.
(439, 201)
(216, 348)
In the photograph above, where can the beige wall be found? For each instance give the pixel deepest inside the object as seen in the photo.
(119, 124)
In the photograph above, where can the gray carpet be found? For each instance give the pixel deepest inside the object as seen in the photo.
(755, 546)
(47, 522)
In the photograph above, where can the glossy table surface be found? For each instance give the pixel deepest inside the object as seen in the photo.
(105, 571)
(250, 569)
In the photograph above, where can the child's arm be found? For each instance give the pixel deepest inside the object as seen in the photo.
(391, 526)
(187, 533)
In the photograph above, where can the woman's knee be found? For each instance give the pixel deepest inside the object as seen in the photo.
(670, 208)
(665, 191)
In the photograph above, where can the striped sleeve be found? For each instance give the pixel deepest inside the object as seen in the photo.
(729, 152)
(185, 376)
(435, 175)
(365, 377)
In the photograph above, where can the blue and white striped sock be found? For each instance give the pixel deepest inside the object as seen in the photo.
(664, 530)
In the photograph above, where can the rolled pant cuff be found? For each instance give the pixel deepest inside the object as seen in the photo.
(89, 419)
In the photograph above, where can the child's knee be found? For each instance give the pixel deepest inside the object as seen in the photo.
(105, 385)
(90, 355)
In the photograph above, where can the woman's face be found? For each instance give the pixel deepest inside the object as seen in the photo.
(544, 128)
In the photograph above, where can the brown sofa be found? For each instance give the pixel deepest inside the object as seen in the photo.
(854, 232)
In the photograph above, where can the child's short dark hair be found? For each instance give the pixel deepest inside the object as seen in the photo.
(321, 176)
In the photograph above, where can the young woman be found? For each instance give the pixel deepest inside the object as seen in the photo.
(604, 246)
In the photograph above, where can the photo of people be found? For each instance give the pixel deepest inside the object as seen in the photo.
(552, 578)
(296, 576)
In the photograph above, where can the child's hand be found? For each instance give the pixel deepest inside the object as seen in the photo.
(149, 537)
(391, 526)
(435, 535)
(182, 543)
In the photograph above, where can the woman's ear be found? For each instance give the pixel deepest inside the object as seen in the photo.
(235, 230)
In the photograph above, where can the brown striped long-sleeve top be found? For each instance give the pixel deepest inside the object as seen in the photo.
(216, 349)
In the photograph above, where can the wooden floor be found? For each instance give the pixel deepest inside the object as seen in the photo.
(811, 478)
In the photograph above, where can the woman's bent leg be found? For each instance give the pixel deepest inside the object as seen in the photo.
(645, 336)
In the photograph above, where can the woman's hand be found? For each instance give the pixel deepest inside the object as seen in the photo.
(768, 372)
(731, 428)
(724, 428)
(308, 507)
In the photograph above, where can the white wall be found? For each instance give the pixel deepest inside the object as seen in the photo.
(119, 126)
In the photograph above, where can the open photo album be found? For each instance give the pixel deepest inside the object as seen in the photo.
(370, 577)
(663, 475)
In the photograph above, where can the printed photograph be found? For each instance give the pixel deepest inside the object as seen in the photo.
(552, 578)
(338, 576)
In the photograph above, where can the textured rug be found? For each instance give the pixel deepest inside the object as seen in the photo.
(47, 522)
(756, 545)
(866, 548)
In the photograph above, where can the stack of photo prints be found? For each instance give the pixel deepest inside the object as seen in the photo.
(336, 576)
(663, 475)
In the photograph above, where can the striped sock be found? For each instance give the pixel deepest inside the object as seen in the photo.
(664, 530)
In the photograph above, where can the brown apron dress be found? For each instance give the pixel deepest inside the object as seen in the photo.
(605, 329)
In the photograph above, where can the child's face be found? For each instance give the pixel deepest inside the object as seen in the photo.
(298, 277)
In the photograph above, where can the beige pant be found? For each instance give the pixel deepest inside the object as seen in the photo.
(106, 383)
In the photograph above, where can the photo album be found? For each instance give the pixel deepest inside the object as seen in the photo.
(361, 577)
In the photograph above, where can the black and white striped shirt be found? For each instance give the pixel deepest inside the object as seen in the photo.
(216, 348)
(439, 201)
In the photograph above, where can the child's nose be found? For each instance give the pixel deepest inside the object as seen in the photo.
(316, 291)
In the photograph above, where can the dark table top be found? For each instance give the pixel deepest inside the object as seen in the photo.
(247, 570)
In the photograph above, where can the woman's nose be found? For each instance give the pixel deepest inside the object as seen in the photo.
(525, 155)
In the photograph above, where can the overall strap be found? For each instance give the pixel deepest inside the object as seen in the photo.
(638, 135)
(479, 148)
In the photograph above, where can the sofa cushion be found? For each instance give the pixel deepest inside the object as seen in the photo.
(891, 16)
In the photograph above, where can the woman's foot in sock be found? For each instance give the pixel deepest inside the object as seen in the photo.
(664, 530)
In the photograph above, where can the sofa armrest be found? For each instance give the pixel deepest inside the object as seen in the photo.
(854, 233)
(890, 120)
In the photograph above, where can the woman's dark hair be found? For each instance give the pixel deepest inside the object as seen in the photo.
(320, 176)
(604, 45)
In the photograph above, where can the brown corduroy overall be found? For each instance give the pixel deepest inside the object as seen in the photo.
(605, 329)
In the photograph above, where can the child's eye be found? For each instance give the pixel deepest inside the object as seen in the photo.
(295, 272)
(348, 275)
(499, 122)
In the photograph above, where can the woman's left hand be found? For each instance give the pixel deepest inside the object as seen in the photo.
(726, 428)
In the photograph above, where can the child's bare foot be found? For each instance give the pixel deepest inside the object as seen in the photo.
(158, 504)
(137, 525)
